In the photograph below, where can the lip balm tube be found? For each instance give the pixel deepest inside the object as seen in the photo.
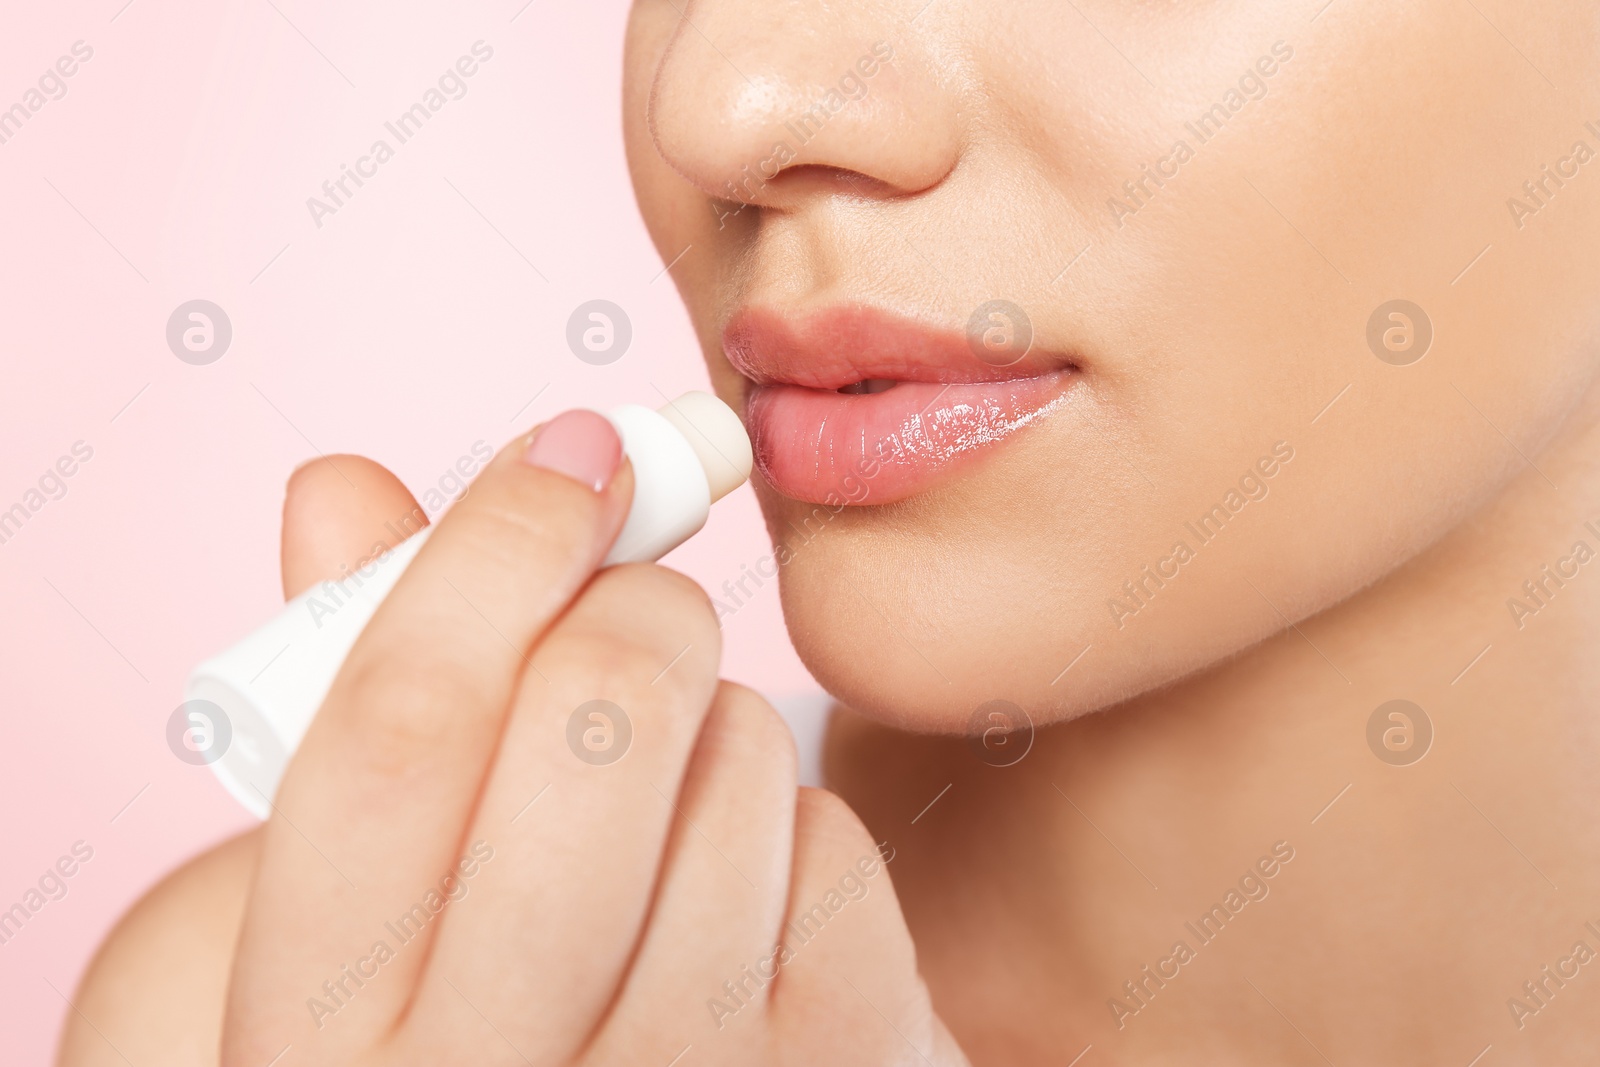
(264, 691)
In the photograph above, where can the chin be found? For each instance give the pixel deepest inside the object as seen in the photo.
(915, 616)
(995, 585)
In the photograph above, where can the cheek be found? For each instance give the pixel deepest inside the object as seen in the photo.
(661, 192)
(1389, 188)
(676, 213)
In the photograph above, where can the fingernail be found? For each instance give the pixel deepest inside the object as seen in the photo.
(583, 445)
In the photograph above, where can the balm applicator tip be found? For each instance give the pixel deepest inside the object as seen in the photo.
(717, 437)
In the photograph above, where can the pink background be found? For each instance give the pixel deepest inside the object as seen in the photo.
(405, 328)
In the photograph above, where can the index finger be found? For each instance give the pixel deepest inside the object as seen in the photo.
(372, 809)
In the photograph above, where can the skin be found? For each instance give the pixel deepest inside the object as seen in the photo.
(1227, 314)
(1220, 318)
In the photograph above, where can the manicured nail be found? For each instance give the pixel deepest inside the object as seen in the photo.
(583, 445)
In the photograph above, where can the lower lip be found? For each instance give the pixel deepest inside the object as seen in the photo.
(826, 447)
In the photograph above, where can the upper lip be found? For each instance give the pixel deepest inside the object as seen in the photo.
(839, 346)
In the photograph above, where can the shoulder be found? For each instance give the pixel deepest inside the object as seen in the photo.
(156, 989)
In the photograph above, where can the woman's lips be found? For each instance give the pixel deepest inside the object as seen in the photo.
(857, 405)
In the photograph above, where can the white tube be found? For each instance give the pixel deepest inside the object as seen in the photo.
(256, 699)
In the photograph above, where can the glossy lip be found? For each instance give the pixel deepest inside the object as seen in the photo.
(815, 444)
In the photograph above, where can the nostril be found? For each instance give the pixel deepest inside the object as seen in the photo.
(755, 184)
(818, 177)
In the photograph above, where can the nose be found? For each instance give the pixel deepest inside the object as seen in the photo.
(773, 103)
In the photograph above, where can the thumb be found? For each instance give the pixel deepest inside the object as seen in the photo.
(339, 512)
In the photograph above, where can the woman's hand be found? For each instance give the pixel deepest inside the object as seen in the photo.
(470, 862)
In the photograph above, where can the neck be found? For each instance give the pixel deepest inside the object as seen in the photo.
(1418, 906)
